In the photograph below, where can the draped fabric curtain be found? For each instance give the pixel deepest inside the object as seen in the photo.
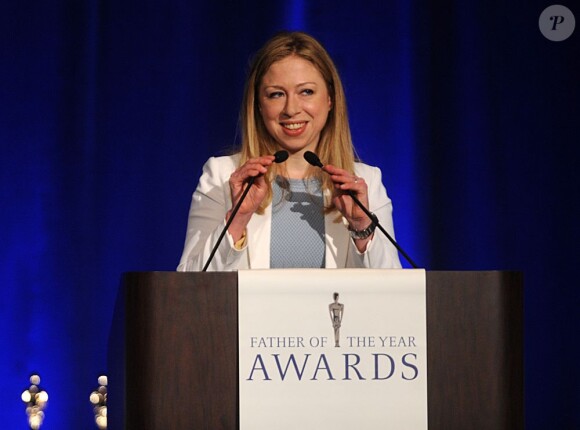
(108, 110)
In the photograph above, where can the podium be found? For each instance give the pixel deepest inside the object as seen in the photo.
(173, 351)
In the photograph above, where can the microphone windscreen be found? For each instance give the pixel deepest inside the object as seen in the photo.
(312, 158)
(280, 156)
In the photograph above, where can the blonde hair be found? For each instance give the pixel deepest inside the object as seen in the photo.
(335, 145)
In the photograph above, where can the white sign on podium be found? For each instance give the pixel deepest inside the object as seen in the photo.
(332, 349)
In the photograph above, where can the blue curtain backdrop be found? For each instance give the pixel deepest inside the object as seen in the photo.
(109, 108)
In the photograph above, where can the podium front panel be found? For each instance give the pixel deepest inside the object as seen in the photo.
(173, 359)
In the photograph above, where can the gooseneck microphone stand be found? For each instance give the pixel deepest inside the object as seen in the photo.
(279, 157)
(313, 159)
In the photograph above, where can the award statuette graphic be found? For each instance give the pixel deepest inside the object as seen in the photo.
(336, 311)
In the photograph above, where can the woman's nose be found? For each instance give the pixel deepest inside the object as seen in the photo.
(292, 106)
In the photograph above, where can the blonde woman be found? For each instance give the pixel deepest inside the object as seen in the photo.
(294, 215)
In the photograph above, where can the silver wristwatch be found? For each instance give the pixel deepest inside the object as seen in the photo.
(363, 234)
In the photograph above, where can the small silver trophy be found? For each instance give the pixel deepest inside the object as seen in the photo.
(36, 399)
(98, 399)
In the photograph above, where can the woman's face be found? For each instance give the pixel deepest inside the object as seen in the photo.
(294, 103)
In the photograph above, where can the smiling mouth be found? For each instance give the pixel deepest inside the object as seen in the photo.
(294, 126)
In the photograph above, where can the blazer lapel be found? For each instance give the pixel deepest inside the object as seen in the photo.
(258, 231)
(337, 238)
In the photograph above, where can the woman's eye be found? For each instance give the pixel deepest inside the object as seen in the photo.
(307, 91)
(275, 94)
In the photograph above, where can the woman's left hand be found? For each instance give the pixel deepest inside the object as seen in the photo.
(345, 182)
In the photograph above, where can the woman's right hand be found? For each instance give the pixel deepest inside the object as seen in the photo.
(254, 167)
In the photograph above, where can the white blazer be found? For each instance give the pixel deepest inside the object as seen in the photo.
(211, 200)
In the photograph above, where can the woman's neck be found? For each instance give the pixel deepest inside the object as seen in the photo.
(296, 167)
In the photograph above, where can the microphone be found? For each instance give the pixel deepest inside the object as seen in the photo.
(279, 157)
(313, 159)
